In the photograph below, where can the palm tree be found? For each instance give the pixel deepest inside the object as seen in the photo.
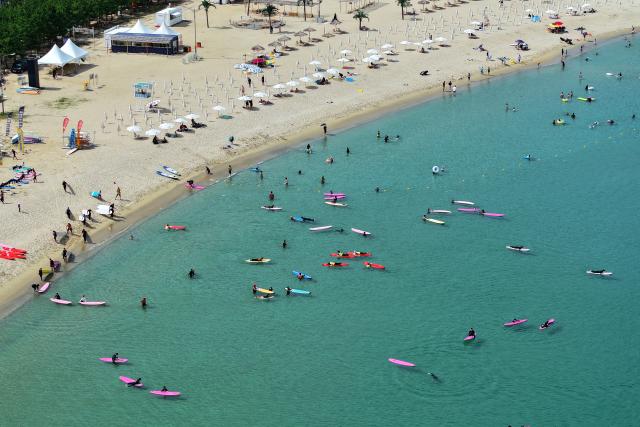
(403, 4)
(360, 15)
(206, 4)
(248, 8)
(269, 11)
(304, 7)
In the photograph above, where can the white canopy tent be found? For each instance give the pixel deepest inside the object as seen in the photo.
(71, 49)
(55, 57)
(140, 28)
(164, 29)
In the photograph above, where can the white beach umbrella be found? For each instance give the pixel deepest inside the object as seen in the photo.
(244, 98)
(152, 132)
(375, 57)
(260, 95)
(427, 41)
(318, 75)
(440, 39)
(551, 12)
(305, 79)
(468, 31)
(372, 51)
(315, 62)
(292, 83)
(405, 42)
(387, 46)
(279, 86)
(478, 22)
(192, 116)
(134, 129)
(343, 60)
(180, 120)
(219, 108)
(388, 52)
(366, 60)
(166, 126)
(333, 71)
(345, 52)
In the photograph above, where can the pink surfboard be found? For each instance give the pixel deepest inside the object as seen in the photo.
(469, 210)
(176, 227)
(401, 362)
(515, 322)
(334, 194)
(118, 360)
(194, 187)
(93, 303)
(492, 215)
(334, 197)
(165, 393)
(128, 380)
(60, 301)
(551, 322)
(43, 288)
(469, 338)
(362, 232)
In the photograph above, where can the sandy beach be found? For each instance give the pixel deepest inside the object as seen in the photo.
(119, 160)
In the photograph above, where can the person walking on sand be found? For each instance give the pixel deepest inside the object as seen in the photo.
(64, 254)
(85, 236)
(69, 229)
(64, 186)
(444, 84)
(68, 212)
(118, 193)
(324, 128)
(208, 170)
(19, 208)
(2, 196)
(40, 273)
(230, 169)
(55, 236)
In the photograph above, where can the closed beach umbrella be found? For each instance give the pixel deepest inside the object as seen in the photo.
(152, 132)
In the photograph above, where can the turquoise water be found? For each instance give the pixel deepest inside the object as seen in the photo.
(323, 360)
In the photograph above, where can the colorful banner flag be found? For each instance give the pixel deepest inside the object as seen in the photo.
(20, 116)
(8, 130)
(79, 127)
(65, 123)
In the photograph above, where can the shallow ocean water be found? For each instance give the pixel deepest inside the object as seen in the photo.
(322, 360)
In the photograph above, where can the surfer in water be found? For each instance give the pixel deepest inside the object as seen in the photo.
(378, 134)
(164, 388)
(300, 276)
(471, 333)
(322, 180)
(57, 296)
(114, 358)
(377, 189)
(545, 325)
(254, 288)
(143, 302)
(271, 196)
(192, 273)
(598, 271)
(35, 287)
(135, 383)
(83, 299)
(284, 244)
(288, 290)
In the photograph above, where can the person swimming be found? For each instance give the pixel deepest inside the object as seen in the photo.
(378, 134)
(377, 189)
(386, 138)
(284, 244)
(192, 273)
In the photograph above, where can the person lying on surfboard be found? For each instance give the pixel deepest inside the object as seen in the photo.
(598, 271)
(135, 383)
(545, 324)
(257, 259)
(471, 333)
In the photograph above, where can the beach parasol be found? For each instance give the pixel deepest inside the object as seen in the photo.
(305, 79)
(292, 83)
(192, 116)
(180, 120)
(134, 129)
(375, 58)
(244, 98)
(343, 60)
(152, 132)
(279, 86)
(166, 126)
(468, 31)
(257, 48)
(478, 22)
(333, 71)
(372, 51)
(260, 95)
(315, 62)
(283, 39)
(405, 42)
(345, 52)
(441, 39)
(387, 46)
(318, 75)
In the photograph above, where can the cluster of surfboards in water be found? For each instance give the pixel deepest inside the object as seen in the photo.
(331, 199)
(469, 208)
(130, 382)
